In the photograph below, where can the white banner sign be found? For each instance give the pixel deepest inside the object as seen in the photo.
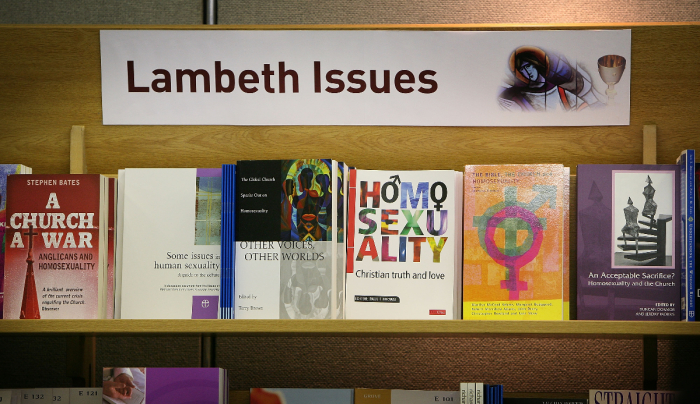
(366, 77)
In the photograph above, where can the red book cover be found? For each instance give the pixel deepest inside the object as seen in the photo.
(53, 257)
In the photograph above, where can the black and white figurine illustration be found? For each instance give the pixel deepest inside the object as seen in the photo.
(644, 242)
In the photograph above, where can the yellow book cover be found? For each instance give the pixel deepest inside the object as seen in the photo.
(513, 242)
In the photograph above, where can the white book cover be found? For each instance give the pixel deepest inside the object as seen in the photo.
(404, 245)
(171, 243)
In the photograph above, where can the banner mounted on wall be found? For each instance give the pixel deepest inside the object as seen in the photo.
(366, 77)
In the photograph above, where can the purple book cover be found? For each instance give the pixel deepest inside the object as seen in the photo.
(629, 242)
(183, 385)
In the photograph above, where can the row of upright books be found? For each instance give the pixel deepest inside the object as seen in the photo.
(210, 386)
(135, 386)
(469, 393)
(313, 238)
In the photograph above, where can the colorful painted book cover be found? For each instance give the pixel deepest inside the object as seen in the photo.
(165, 385)
(56, 246)
(404, 255)
(629, 242)
(171, 243)
(397, 396)
(686, 162)
(286, 240)
(514, 242)
(5, 170)
(301, 396)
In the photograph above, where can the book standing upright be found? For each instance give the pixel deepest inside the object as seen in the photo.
(56, 247)
(686, 161)
(514, 244)
(287, 245)
(170, 236)
(629, 243)
(404, 244)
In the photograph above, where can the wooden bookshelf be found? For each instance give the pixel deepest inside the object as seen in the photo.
(626, 329)
(52, 116)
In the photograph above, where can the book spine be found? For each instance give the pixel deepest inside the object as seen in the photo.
(690, 223)
(696, 197)
(119, 237)
(479, 393)
(686, 161)
(463, 391)
(224, 243)
(103, 275)
(337, 270)
(342, 232)
(111, 245)
(228, 239)
(351, 221)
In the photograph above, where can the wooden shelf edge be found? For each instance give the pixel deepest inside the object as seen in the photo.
(353, 327)
(384, 27)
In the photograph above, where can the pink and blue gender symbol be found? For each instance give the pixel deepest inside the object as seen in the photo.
(513, 216)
